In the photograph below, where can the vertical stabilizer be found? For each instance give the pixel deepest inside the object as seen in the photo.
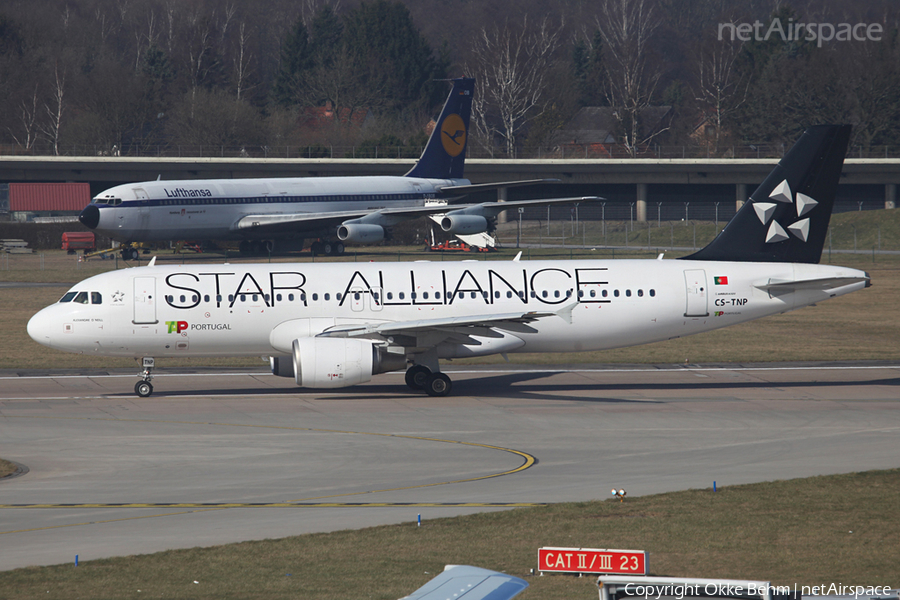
(786, 218)
(445, 153)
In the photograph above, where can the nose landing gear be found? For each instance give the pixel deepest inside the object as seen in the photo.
(144, 388)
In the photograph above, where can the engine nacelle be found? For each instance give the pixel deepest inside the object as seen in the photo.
(360, 233)
(324, 362)
(464, 224)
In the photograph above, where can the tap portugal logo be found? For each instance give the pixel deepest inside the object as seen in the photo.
(453, 135)
(177, 326)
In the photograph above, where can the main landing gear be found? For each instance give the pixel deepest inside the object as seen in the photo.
(420, 377)
(144, 388)
(327, 248)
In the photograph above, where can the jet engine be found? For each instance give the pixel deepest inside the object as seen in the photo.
(323, 362)
(360, 233)
(464, 224)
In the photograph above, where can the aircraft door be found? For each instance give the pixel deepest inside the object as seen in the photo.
(143, 210)
(376, 300)
(145, 300)
(695, 283)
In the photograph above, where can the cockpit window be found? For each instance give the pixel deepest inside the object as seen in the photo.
(68, 297)
(96, 298)
(81, 298)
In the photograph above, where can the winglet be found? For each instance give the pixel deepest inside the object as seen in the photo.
(445, 153)
(518, 256)
(152, 262)
(471, 582)
(566, 312)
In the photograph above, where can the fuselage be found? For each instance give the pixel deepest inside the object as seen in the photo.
(152, 211)
(260, 309)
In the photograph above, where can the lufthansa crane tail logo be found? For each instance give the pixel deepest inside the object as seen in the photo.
(453, 135)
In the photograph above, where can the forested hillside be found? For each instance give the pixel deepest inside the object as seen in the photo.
(118, 77)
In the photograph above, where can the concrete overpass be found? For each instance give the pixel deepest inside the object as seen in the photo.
(634, 180)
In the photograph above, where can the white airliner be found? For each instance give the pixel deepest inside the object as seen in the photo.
(264, 212)
(331, 325)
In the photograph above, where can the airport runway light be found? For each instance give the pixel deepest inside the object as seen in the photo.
(620, 494)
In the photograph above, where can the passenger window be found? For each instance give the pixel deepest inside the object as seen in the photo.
(390, 295)
(556, 293)
(401, 295)
(640, 293)
(67, 297)
(338, 296)
(327, 297)
(509, 294)
(81, 298)
(628, 293)
(616, 293)
(218, 297)
(496, 295)
(195, 298)
(243, 297)
(182, 298)
(278, 297)
(604, 293)
(315, 297)
(206, 297)
(96, 298)
(593, 293)
(544, 294)
(652, 293)
(473, 295)
(231, 297)
(437, 295)
(356, 295)
(412, 295)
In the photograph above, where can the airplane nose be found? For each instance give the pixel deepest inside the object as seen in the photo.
(39, 329)
(90, 216)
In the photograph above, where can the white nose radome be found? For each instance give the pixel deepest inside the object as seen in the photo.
(39, 328)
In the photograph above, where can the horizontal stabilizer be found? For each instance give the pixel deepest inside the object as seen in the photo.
(822, 284)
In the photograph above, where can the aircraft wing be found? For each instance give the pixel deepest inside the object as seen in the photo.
(385, 217)
(469, 583)
(457, 328)
(453, 190)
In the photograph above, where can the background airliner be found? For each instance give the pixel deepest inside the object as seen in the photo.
(263, 213)
(337, 324)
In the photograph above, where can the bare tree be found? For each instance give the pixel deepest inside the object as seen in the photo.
(626, 27)
(29, 122)
(242, 61)
(720, 88)
(511, 65)
(54, 110)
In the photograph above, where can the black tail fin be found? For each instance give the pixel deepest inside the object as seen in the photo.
(445, 153)
(786, 218)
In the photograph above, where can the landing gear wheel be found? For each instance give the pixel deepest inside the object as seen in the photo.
(328, 248)
(438, 384)
(339, 248)
(417, 376)
(143, 388)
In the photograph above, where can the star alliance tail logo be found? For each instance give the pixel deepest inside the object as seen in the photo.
(765, 210)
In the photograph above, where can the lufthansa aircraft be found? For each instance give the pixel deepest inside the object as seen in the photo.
(338, 324)
(258, 212)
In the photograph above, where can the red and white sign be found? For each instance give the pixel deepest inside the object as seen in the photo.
(592, 560)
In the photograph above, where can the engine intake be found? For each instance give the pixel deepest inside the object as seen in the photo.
(464, 224)
(360, 233)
